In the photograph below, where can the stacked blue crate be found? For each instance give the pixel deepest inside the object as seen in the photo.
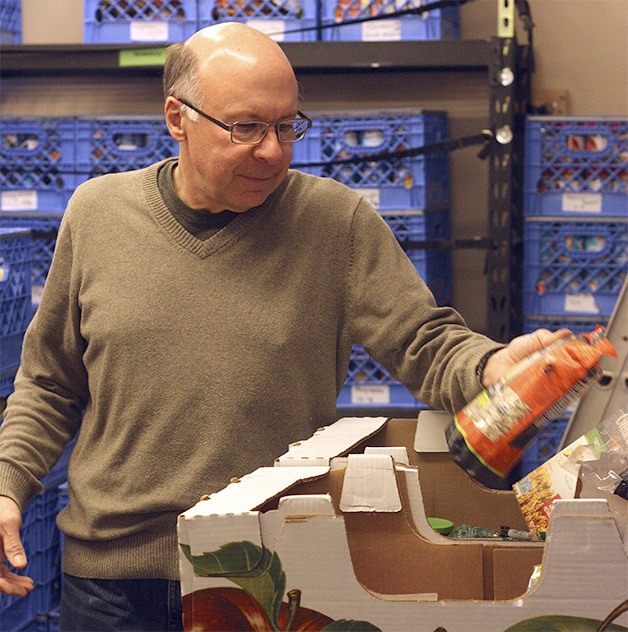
(36, 188)
(10, 21)
(411, 194)
(15, 295)
(40, 538)
(110, 144)
(145, 21)
(437, 24)
(283, 20)
(575, 231)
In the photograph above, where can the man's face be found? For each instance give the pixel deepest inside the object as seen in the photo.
(218, 174)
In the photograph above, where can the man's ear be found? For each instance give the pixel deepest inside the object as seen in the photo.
(174, 119)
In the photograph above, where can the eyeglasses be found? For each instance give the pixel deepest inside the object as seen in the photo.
(253, 132)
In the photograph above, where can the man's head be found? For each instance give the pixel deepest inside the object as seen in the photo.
(233, 73)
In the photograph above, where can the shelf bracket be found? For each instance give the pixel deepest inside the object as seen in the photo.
(506, 18)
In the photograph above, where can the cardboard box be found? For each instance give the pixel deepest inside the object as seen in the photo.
(346, 540)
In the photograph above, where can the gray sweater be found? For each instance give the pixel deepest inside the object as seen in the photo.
(186, 362)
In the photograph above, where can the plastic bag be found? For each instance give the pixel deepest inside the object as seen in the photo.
(490, 434)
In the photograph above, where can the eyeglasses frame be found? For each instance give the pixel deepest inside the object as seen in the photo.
(229, 128)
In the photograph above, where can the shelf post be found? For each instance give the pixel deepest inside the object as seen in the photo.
(509, 82)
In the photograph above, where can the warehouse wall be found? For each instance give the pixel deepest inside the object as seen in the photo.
(581, 50)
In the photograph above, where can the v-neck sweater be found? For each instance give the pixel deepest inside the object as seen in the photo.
(182, 362)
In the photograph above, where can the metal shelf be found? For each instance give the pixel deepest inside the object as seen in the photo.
(306, 57)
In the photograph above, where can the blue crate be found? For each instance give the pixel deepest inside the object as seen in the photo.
(419, 225)
(368, 383)
(15, 294)
(544, 446)
(418, 182)
(44, 227)
(37, 157)
(10, 21)
(6, 383)
(576, 325)
(576, 166)
(115, 143)
(40, 538)
(573, 268)
(283, 20)
(138, 21)
(437, 24)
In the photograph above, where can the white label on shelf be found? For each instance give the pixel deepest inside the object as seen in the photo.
(156, 31)
(371, 394)
(370, 195)
(18, 201)
(583, 303)
(275, 29)
(581, 203)
(381, 31)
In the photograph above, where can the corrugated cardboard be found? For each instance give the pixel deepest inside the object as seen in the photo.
(375, 567)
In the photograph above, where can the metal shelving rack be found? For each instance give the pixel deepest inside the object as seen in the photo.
(503, 60)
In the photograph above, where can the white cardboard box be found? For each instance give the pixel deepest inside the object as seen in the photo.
(349, 540)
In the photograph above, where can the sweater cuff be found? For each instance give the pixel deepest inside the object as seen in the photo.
(479, 369)
(13, 485)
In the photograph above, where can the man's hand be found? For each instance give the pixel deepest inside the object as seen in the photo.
(11, 547)
(519, 348)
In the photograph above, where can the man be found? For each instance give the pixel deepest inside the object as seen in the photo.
(198, 317)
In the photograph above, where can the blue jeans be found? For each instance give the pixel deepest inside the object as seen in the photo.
(120, 605)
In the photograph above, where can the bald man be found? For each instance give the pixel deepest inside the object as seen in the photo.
(198, 317)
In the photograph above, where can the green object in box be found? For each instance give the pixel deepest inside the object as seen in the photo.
(441, 525)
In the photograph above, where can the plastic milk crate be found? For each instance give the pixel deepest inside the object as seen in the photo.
(40, 538)
(44, 228)
(576, 166)
(433, 25)
(120, 143)
(576, 325)
(368, 383)
(389, 183)
(573, 268)
(15, 294)
(37, 163)
(283, 20)
(138, 21)
(6, 383)
(10, 21)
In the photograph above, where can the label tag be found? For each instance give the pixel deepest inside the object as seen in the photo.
(275, 29)
(18, 201)
(381, 31)
(371, 394)
(142, 57)
(581, 203)
(156, 31)
(370, 195)
(584, 303)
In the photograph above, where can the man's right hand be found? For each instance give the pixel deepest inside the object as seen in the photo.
(11, 548)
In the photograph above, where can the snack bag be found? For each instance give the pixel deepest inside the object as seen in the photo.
(490, 434)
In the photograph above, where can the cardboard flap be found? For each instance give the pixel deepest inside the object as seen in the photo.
(370, 484)
(305, 505)
(430, 431)
(399, 454)
(330, 441)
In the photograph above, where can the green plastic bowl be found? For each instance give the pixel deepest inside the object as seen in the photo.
(441, 525)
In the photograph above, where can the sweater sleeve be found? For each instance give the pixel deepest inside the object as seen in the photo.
(395, 317)
(45, 410)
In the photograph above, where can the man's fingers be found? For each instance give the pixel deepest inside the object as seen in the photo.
(13, 584)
